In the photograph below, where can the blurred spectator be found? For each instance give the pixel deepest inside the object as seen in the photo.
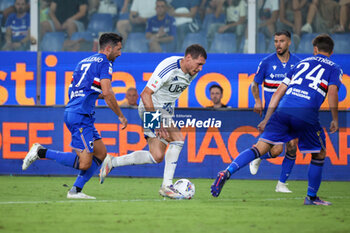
(161, 28)
(17, 28)
(236, 16)
(44, 7)
(184, 12)
(343, 19)
(131, 98)
(6, 12)
(216, 93)
(214, 7)
(291, 16)
(66, 15)
(268, 15)
(322, 16)
(140, 12)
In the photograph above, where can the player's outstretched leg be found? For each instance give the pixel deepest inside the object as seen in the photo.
(134, 158)
(74, 194)
(219, 182)
(255, 164)
(314, 182)
(31, 156)
(241, 160)
(170, 192)
(106, 168)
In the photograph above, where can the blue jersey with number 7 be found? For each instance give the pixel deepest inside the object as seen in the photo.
(308, 83)
(86, 83)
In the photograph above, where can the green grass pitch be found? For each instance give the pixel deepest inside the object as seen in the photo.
(39, 204)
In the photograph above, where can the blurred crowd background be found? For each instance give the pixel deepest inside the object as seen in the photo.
(171, 25)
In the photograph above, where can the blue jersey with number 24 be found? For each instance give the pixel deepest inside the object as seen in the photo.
(308, 83)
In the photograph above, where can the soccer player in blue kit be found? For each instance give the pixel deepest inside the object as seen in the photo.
(91, 80)
(293, 113)
(271, 72)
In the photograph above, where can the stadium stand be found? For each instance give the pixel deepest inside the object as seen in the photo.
(341, 42)
(305, 45)
(53, 41)
(194, 38)
(100, 23)
(82, 35)
(136, 43)
(224, 43)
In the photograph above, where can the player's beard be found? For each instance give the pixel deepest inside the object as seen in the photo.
(282, 52)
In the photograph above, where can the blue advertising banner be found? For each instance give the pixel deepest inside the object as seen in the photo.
(234, 72)
(209, 146)
(18, 80)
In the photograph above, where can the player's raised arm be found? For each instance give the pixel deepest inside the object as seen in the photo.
(111, 101)
(333, 106)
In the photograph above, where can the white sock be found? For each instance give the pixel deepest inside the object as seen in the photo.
(171, 157)
(136, 157)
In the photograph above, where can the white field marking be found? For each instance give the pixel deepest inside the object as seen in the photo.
(158, 200)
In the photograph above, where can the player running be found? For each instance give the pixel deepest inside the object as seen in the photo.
(91, 80)
(170, 78)
(271, 71)
(303, 90)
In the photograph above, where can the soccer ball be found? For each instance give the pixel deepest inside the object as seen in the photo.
(185, 188)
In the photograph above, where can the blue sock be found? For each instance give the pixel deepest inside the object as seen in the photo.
(85, 176)
(314, 176)
(266, 156)
(243, 159)
(69, 159)
(287, 166)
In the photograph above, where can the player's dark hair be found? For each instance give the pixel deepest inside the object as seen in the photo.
(324, 43)
(195, 51)
(216, 86)
(109, 38)
(162, 1)
(283, 32)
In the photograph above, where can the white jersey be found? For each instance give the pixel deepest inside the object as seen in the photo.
(168, 81)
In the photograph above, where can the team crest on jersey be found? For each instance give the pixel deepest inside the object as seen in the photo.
(274, 67)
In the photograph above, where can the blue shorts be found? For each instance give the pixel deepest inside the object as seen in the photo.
(82, 129)
(282, 128)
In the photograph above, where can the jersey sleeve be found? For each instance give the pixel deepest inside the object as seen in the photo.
(106, 70)
(260, 73)
(289, 76)
(336, 77)
(159, 76)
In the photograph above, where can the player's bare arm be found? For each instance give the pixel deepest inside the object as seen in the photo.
(109, 97)
(275, 99)
(146, 97)
(333, 106)
(255, 90)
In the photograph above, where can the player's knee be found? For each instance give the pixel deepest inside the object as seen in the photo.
(321, 155)
(292, 150)
(158, 157)
(276, 151)
(84, 166)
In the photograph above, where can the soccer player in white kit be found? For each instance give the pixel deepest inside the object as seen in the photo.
(170, 78)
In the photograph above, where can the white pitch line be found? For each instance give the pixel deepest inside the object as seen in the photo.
(158, 200)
